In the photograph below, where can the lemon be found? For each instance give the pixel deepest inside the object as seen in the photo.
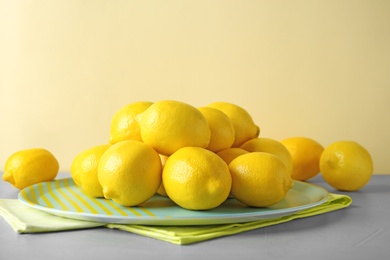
(268, 145)
(196, 178)
(161, 190)
(124, 124)
(221, 128)
(346, 165)
(259, 179)
(230, 154)
(84, 170)
(305, 153)
(30, 166)
(169, 125)
(243, 123)
(129, 172)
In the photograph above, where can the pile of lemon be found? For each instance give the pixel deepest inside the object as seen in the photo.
(198, 157)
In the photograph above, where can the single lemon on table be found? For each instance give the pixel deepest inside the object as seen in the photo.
(243, 123)
(124, 124)
(346, 165)
(30, 166)
(268, 145)
(221, 127)
(259, 179)
(161, 190)
(305, 153)
(169, 125)
(196, 179)
(84, 170)
(231, 153)
(129, 172)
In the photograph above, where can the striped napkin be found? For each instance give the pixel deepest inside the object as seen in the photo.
(24, 219)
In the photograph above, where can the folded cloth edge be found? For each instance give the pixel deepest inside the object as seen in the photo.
(36, 221)
(15, 223)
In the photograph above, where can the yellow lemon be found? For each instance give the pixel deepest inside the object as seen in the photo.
(272, 146)
(346, 165)
(196, 178)
(305, 153)
(221, 128)
(169, 125)
(129, 172)
(161, 190)
(84, 170)
(124, 124)
(244, 127)
(259, 179)
(230, 154)
(30, 166)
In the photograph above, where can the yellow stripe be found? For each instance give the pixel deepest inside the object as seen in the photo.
(77, 207)
(33, 196)
(108, 212)
(147, 212)
(116, 208)
(134, 211)
(27, 197)
(42, 195)
(94, 211)
(53, 195)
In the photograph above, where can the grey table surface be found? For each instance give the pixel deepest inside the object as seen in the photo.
(360, 231)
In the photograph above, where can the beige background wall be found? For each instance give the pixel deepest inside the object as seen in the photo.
(302, 68)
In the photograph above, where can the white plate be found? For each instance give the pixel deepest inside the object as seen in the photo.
(63, 198)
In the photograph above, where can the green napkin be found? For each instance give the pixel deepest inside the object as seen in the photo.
(24, 219)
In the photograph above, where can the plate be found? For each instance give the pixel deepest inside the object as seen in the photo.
(64, 198)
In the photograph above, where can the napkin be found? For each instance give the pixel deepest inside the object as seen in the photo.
(24, 219)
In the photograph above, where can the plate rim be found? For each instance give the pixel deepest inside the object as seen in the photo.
(181, 220)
